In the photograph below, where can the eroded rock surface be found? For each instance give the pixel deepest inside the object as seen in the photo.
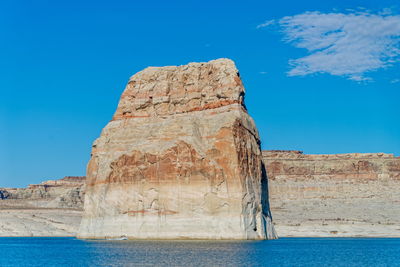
(355, 194)
(180, 159)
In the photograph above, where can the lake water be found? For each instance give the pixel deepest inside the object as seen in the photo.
(281, 252)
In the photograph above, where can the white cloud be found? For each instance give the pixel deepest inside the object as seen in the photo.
(395, 81)
(343, 44)
(359, 78)
(265, 24)
(263, 72)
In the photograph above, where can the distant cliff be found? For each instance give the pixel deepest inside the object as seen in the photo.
(67, 192)
(334, 195)
(52, 208)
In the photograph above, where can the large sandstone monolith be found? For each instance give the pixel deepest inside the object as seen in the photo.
(180, 159)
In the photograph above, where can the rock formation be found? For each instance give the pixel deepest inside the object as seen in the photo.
(180, 159)
(52, 208)
(353, 194)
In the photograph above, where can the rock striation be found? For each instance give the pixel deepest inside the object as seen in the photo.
(180, 159)
(356, 194)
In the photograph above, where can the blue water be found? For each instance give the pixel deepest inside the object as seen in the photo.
(282, 252)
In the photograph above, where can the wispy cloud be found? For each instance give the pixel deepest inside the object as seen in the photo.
(266, 24)
(344, 44)
(395, 81)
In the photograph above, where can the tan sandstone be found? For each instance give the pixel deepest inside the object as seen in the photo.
(356, 194)
(181, 159)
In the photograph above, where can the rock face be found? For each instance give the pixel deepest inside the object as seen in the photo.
(52, 208)
(334, 195)
(180, 159)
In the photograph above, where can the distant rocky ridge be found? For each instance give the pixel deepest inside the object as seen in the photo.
(67, 192)
(52, 208)
(355, 194)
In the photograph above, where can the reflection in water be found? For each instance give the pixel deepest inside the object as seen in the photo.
(281, 252)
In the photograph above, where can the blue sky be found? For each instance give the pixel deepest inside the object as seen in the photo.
(320, 76)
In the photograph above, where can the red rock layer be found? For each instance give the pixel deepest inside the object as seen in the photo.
(286, 164)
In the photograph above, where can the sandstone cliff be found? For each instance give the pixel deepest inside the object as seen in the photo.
(355, 194)
(180, 159)
(52, 208)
